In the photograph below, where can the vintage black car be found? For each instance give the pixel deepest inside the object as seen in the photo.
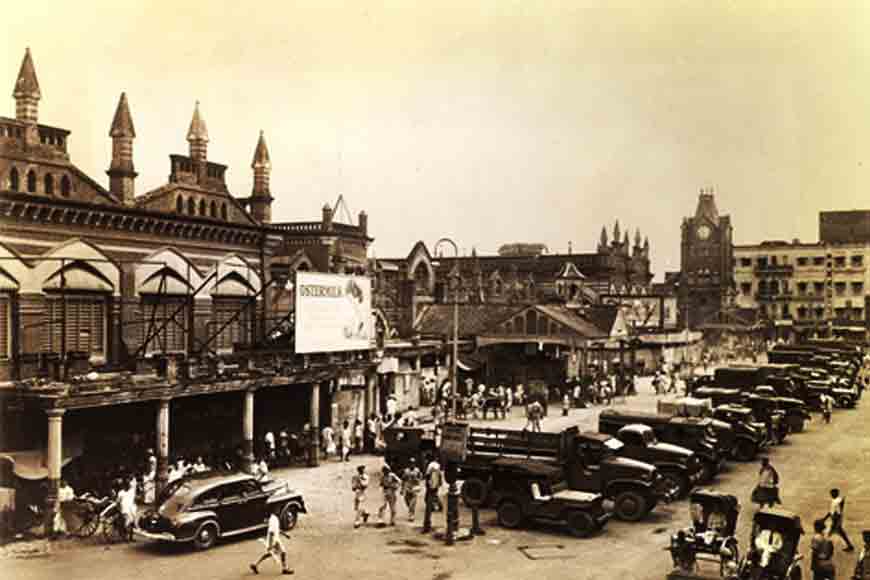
(696, 434)
(524, 490)
(204, 507)
(773, 547)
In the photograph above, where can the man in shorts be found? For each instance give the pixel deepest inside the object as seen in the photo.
(274, 547)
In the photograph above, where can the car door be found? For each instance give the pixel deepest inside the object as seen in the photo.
(255, 512)
(233, 511)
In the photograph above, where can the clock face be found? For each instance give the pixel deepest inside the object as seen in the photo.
(703, 232)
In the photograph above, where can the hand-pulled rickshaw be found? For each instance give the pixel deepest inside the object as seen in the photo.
(714, 521)
(773, 547)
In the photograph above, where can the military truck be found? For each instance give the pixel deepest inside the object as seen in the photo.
(694, 433)
(590, 462)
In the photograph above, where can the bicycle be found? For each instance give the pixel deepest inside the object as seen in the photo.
(113, 523)
(88, 510)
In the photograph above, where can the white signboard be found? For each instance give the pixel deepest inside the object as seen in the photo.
(333, 313)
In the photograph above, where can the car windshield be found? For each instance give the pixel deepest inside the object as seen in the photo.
(176, 498)
(649, 437)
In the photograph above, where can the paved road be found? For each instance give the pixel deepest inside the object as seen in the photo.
(326, 546)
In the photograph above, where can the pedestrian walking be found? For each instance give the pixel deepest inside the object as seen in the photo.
(862, 566)
(566, 404)
(535, 413)
(390, 483)
(827, 406)
(835, 514)
(657, 383)
(346, 440)
(273, 547)
(328, 438)
(371, 433)
(767, 490)
(411, 479)
(359, 485)
(822, 558)
(434, 482)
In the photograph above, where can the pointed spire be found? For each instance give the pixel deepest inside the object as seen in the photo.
(122, 123)
(637, 237)
(625, 244)
(603, 241)
(27, 84)
(261, 153)
(198, 131)
(27, 93)
(646, 243)
(616, 234)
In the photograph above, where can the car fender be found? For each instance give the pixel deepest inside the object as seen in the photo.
(188, 523)
(670, 465)
(293, 500)
(627, 482)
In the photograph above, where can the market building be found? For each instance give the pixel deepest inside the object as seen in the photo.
(159, 320)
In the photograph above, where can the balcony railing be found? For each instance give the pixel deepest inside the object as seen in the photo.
(774, 269)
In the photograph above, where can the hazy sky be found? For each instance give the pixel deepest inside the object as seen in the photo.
(489, 122)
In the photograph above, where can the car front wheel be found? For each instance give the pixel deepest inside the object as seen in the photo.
(206, 535)
(289, 517)
(630, 506)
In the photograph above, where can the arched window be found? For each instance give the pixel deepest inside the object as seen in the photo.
(179, 204)
(65, 186)
(224, 211)
(13, 180)
(202, 207)
(49, 183)
(213, 208)
(191, 206)
(31, 181)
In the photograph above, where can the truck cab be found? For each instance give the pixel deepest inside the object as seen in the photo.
(680, 467)
(694, 433)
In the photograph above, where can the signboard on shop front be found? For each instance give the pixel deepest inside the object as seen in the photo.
(333, 313)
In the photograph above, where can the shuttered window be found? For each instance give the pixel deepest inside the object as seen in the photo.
(172, 338)
(5, 327)
(239, 330)
(85, 324)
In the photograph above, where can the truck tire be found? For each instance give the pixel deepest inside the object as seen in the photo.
(796, 424)
(708, 471)
(678, 481)
(844, 402)
(630, 506)
(510, 514)
(474, 492)
(580, 524)
(744, 450)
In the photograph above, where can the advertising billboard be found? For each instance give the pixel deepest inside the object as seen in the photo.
(333, 313)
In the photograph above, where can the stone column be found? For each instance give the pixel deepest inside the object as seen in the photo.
(54, 458)
(248, 431)
(314, 421)
(162, 476)
(371, 381)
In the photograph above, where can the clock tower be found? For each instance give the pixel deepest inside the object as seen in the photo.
(706, 264)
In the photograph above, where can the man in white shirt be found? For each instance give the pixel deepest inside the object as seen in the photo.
(274, 547)
(835, 513)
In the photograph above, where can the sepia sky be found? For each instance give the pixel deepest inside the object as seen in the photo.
(486, 121)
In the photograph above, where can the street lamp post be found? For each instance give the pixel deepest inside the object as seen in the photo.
(452, 468)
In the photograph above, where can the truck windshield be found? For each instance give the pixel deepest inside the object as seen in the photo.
(649, 437)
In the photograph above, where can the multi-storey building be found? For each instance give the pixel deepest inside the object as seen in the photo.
(806, 288)
(96, 278)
